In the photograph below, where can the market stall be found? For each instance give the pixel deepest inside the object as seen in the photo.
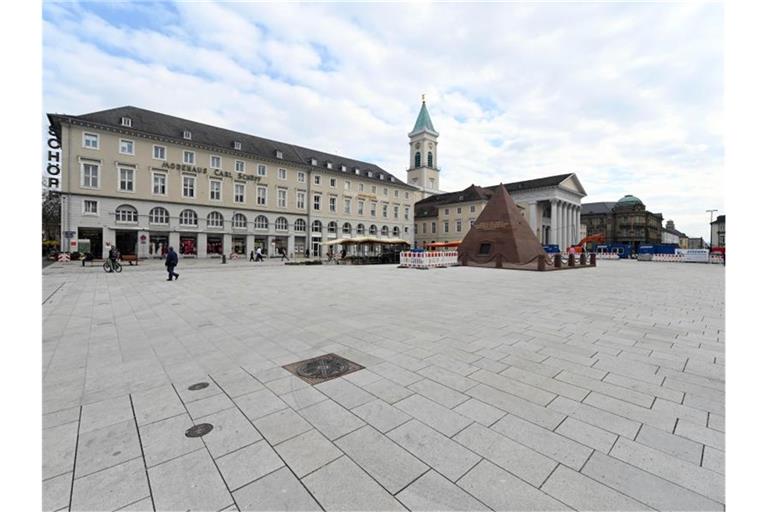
(366, 250)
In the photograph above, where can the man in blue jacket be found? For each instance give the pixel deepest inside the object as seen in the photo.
(171, 260)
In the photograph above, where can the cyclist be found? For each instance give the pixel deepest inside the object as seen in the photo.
(113, 255)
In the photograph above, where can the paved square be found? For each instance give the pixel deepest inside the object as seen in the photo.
(597, 389)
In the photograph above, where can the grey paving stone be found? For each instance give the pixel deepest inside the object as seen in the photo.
(389, 464)
(700, 434)
(587, 434)
(490, 365)
(187, 395)
(302, 398)
(501, 490)
(582, 493)
(670, 443)
(448, 363)
(448, 378)
(248, 464)
(443, 395)
(345, 393)
(156, 404)
(286, 384)
(388, 391)
(395, 373)
(544, 441)
(644, 387)
(209, 405)
(700, 480)
(139, 506)
(281, 425)
(482, 413)
(508, 385)
(106, 447)
(331, 419)
(56, 492)
(441, 453)
(362, 378)
(342, 485)
(435, 415)
(433, 491)
(231, 431)
(612, 390)
(716, 422)
(519, 460)
(279, 490)
(307, 452)
(237, 382)
(564, 364)
(555, 386)
(190, 482)
(547, 418)
(107, 412)
(260, 403)
(683, 412)
(644, 487)
(380, 415)
(54, 419)
(165, 440)
(658, 419)
(59, 450)
(111, 488)
(714, 460)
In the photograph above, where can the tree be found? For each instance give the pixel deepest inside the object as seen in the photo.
(51, 214)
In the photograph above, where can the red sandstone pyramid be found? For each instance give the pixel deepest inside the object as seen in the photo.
(500, 237)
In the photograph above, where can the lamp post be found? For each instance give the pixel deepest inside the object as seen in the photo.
(711, 213)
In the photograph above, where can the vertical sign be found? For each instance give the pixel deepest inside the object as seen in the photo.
(53, 170)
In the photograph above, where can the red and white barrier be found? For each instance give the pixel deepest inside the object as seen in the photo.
(64, 257)
(429, 259)
(606, 256)
(669, 258)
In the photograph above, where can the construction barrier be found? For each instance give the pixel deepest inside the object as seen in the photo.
(428, 259)
(64, 257)
(607, 256)
(669, 258)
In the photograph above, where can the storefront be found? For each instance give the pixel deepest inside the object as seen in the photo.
(238, 245)
(301, 245)
(126, 242)
(96, 237)
(158, 245)
(316, 248)
(278, 243)
(188, 244)
(215, 244)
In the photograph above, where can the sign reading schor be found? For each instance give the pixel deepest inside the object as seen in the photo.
(53, 170)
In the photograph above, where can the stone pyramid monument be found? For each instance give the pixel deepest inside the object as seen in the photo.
(501, 237)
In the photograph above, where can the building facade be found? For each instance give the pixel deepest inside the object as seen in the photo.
(142, 181)
(552, 206)
(670, 235)
(625, 221)
(717, 232)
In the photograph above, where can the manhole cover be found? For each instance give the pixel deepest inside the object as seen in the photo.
(198, 386)
(322, 368)
(199, 430)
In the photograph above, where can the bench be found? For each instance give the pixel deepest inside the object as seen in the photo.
(130, 259)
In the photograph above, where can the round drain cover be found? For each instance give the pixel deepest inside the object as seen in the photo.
(199, 430)
(198, 386)
(323, 367)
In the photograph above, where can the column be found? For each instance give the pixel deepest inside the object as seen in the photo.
(248, 245)
(226, 245)
(291, 246)
(578, 219)
(174, 240)
(271, 250)
(553, 222)
(202, 245)
(569, 225)
(532, 219)
(142, 250)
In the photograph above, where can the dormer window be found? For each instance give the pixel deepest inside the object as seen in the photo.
(392, 179)
(370, 174)
(187, 135)
(381, 177)
(329, 165)
(357, 171)
(343, 168)
(278, 154)
(126, 121)
(236, 144)
(314, 162)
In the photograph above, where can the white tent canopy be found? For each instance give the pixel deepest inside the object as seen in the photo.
(366, 240)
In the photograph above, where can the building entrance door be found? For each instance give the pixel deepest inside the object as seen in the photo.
(126, 242)
(316, 247)
(96, 238)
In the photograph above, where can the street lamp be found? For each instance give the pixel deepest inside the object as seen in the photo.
(711, 212)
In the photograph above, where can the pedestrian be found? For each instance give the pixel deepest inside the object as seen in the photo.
(252, 258)
(306, 253)
(283, 255)
(259, 257)
(171, 260)
(343, 252)
(113, 255)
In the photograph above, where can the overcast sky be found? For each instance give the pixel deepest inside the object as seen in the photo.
(628, 96)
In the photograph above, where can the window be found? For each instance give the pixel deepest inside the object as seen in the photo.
(189, 157)
(91, 140)
(239, 192)
(397, 193)
(215, 190)
(332, 204)
(447, 211)
(384, 231)
(215, 161)
(90, 176)
(386, 191)
(372, 230)
(472, 209)
(361, 187)
(126, 147)
(346, 228)
(434, 228)
(301, 177)
(261, 196)
(316, 202)
(458, 210)
(158, 152)
(187, 134)
(347, 206)
(188, 186)
(239, 221)
(261, 170)
(159, 180)
(237, 145)
(282, 198)
(429, 159)
(431, 183)
(396, 211)
(395, 231)
(415, 229)
(126, 213)
(90, 207)
(328, 165)
(262, 222)
(458, 226)
(347, 185)
(126, 179)
(485, 248)
(239, 166)
(281, 224)
(126, 121)
(471, 222)
(317, 226)
(282, 174)
(318, 179)
(215, 220)
(406, 195)
(300, 200)
(279, 154)
(373, 189)
(360, 229)
(384, 211)
(424, 228)
(313, 161)
(360, 207)
(445, 227)
(370, 174)
(332, 227)
(333, 182)
(373, 209)
(159, 215)
(300, 226)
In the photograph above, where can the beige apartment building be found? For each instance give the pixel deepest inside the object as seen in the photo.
(143, 180)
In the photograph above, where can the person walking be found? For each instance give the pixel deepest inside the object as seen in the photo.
(283, 255)
(259, 257)
(252, 258)
(171, 260)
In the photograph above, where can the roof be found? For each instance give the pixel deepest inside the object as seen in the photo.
(603, 207)
(628, 200)
(674, 232)
(423, 122)
(428, 207)
(155, 124)
(718, 220)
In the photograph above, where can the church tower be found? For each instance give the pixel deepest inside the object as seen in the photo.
(423, 172)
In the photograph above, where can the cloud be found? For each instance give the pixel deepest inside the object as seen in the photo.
(629, 96)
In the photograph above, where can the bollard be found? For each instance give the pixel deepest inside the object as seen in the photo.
(223, 258)
(558, 260)
(571, 260)
(593, 259)
(583, 259)
(540, 264)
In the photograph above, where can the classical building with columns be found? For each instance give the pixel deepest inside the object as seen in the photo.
(552, 206)
(143, 180)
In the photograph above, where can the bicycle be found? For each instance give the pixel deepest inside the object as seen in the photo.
(108, 266)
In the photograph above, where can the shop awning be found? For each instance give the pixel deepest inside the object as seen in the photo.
(366, 240)
(437, 245)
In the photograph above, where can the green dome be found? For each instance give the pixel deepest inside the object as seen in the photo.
(628, 200)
